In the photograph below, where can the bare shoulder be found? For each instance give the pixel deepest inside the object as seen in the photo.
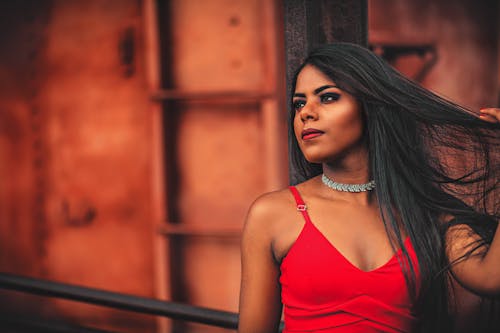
(274, 222)
(461, 239)
(267, 210)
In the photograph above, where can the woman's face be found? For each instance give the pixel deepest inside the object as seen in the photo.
(328, 123)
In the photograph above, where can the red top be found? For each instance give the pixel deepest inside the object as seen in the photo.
(323, 292)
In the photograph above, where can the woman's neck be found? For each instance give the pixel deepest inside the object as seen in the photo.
(352, 168)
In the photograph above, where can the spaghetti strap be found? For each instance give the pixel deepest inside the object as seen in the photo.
(301, 205)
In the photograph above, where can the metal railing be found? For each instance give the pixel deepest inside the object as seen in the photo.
(16, 323)
(126, 302)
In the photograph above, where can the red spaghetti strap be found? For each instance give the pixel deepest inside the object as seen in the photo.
(296, 195)
(301, 205)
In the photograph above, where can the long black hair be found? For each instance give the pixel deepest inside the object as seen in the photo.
(436, 165)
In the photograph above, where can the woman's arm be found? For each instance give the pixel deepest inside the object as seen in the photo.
(480, 272)
(260, 295)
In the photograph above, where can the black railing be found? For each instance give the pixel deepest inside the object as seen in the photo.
(120, 301)
(16, 323)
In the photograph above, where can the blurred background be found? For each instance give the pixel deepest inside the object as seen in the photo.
(134, 135)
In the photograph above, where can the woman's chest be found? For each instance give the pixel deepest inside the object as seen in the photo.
(315, 272)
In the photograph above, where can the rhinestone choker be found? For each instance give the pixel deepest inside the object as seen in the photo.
(348, 187)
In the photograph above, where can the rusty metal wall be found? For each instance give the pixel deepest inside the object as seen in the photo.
(225, 138)
(81, 155)
(75, 152)
(465, 34)
(22, 136)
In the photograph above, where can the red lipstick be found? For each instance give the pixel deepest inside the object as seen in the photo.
(311, 133)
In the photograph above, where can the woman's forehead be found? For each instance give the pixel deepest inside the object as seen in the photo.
(311, 76)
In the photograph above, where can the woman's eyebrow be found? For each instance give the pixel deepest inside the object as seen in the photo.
(316, 91)
(320, 89)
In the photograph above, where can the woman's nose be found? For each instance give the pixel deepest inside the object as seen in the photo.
(308, 112)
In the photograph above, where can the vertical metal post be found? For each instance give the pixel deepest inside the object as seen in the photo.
(309, 23)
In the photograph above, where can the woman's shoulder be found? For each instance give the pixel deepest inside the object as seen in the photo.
(271, 204)
(270, 213)
(270, 210)
(273, 221)
(277, 202)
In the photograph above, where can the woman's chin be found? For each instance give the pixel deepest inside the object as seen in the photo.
(315, 159)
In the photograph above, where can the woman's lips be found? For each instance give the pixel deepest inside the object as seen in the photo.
(310, 133)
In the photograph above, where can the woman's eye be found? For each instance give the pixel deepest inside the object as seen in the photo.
(297, 105)
(329, 97)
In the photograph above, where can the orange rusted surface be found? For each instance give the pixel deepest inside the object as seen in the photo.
(76, 141)
(465, 34)
(222, 145)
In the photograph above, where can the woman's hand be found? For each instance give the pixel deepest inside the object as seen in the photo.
(491, 115)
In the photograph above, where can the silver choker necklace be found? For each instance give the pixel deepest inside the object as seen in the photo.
(348, 187)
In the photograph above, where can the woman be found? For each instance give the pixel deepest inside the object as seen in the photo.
(398, 195)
